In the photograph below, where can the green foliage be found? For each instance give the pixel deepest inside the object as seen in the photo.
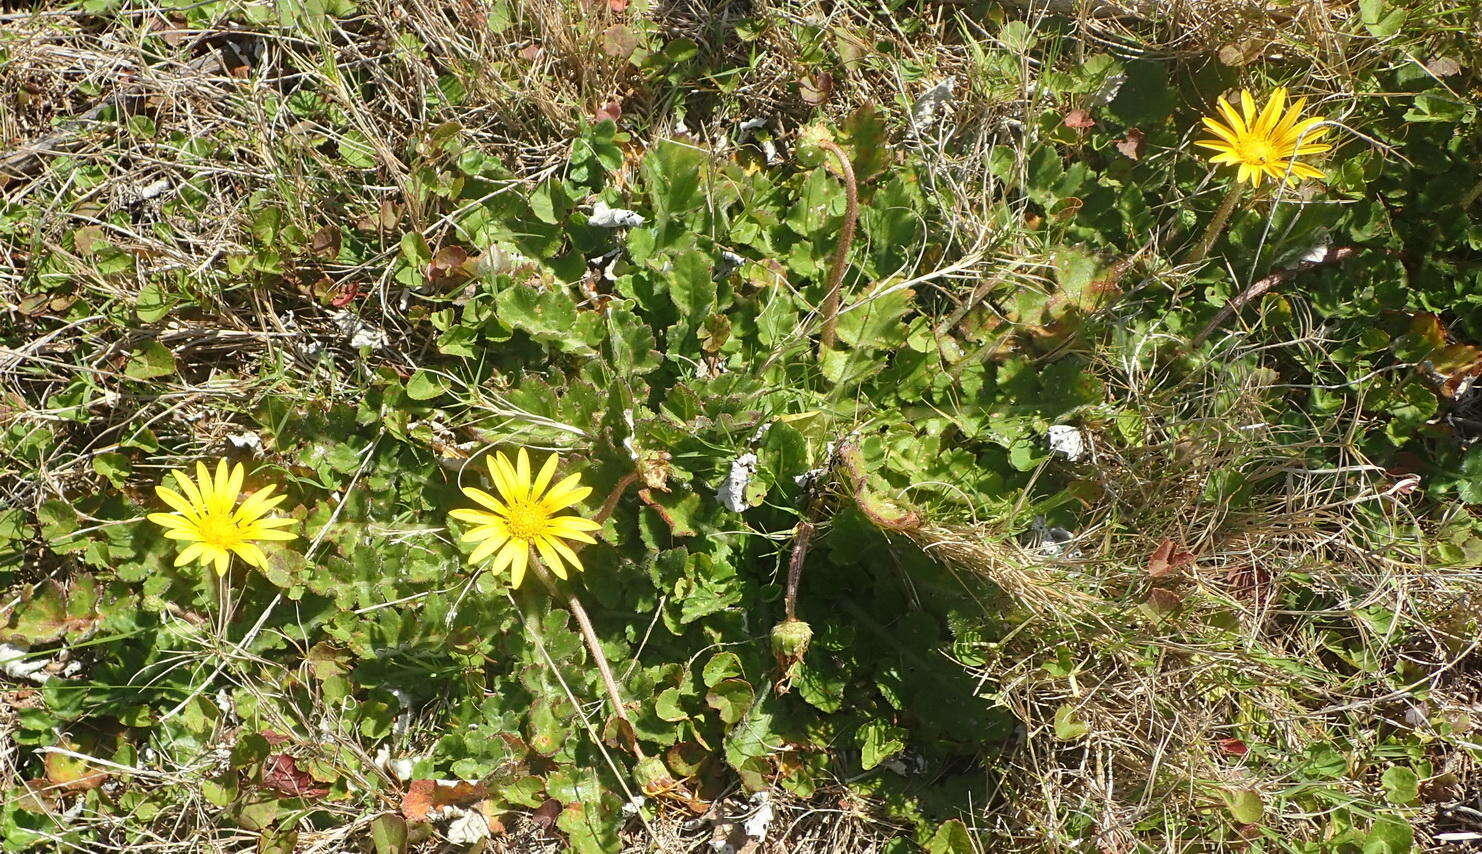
(681, 350)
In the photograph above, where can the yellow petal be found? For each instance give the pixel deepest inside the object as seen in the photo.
(510, 489)
(1289, 120)
(485, 499)
(205, 485)
(1219, 130)
(223, 561)
(506, 555)
(177, 502)
(189, 489)
(189, 534)
(549, 557)
(567, 553)
(486, 548)
(543, 479)
(472, 516)
(566, 498)
(517, 566)
(574, 523)
(257, 506)
(484, 532)
(1248, 110)
(1232, 118)
(1214, 145)
(522, 469)
(169, 520)
(252, 554)
(234, 487)
(1272, 114)
(189, 553)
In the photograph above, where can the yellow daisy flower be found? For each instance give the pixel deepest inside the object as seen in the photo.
(1265, 142)
(208, 517)
(524, 517)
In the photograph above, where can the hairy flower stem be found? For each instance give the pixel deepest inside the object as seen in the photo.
(612, 497)
(835, 281)
(802, 536)
(589, 635)
(1472, 195)
(1216, 225)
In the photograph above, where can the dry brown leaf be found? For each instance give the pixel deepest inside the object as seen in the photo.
(325, 243)
(424, 796)
(1167, 559)
(282, 774)
(816, 88)
(1079, 119)
(1134, 145)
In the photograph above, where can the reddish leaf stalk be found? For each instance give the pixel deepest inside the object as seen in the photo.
(835, 280)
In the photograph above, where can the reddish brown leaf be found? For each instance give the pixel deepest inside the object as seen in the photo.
(610, 111)
(281, 774)
(1233, 747)
(816, 88)
(1443, 66)
(618, 6)
(1134, 145)
(449, 266)
(1167, 560)
(545, 814)
(325, 242)
(530, 52)
(345, 295)
(1164, 601)
(424, 796)
(619, 41)
(1079, 119)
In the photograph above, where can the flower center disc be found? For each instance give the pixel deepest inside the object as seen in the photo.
(1256, 152)
(526, 520)
(217, 530)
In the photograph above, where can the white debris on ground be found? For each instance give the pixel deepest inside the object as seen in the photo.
(16, 664)
(1107, 91)
(399, 767)
(634, 805)
(465, 826)
(1316, 255)
(932, 105)
(606, 217)
(247, 441)
(729, 263)
(732, 493)
(1052, 541)
(906, 764)
(403, 721)
(757, 823)
(746, 128)
(361, 333)
(1067, 441)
